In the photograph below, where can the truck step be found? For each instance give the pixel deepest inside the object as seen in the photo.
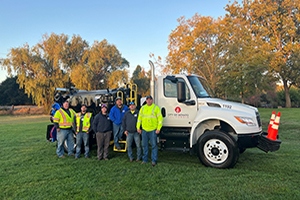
(177, 149)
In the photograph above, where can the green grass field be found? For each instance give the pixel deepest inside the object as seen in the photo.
(29, 169)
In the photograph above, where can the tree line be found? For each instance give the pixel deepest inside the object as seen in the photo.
(242, 54)
(60, 61)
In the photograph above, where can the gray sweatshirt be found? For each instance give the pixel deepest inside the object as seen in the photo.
(129, 121)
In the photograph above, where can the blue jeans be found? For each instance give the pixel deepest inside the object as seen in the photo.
(82, 136)
(146, 136)
(118, 133)
(62, 135)
(137, 139)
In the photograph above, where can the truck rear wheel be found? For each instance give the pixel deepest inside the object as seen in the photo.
(217, 149)
(66, 144)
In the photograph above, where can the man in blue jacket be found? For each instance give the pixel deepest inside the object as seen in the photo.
(116, 116)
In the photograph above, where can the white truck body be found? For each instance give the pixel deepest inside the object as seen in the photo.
(216, 129)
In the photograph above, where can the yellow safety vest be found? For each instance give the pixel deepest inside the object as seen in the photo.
(150, 118)
(86, 121)
(63, 119)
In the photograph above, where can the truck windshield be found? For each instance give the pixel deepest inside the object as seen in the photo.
(200, 87)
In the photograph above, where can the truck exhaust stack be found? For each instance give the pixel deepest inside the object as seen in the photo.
(152, 80)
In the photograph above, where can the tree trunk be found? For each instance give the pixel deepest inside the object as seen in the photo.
(287, 94)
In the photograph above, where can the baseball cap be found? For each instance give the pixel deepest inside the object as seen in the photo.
(66, 100)
(84, 105)
(118, 98)
(103, 106)
(149, 96)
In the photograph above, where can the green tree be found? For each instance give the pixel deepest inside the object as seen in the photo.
(142, 80)
(276, 22)
(244, 71)
(11, 94)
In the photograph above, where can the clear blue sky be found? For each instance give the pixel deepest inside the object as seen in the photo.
(136, 27)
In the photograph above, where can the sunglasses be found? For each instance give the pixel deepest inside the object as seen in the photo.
(131, 103)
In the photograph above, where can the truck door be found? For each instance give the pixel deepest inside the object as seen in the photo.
(177, 114)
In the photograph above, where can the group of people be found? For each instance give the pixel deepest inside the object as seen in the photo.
(146, 122)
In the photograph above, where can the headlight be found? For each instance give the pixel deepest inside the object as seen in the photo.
(246, 120)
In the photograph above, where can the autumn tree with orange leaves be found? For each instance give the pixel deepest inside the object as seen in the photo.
(194, 48)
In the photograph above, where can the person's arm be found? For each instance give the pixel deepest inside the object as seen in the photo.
(111, 115)
(124, 124)
(75, 125)
(95, 123)
(139, 122)
(91, 122)
(56, 119)
(159, 119)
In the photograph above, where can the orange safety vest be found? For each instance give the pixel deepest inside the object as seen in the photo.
(86, 121)
(63, 119)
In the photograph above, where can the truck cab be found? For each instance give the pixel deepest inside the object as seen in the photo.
(194, 121)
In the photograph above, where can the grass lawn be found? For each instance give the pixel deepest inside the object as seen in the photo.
(29, 169)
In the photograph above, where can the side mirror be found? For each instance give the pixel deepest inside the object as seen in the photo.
(181, 92)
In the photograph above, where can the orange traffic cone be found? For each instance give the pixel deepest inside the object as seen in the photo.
(271, 121)
(274, 129)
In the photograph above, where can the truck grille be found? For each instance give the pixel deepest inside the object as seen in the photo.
(258, 119)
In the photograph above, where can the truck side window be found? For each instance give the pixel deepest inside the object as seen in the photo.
(170, 88)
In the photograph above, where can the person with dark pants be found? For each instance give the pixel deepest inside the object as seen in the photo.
(116, 115)
(82, 128)
(151, 120)
(63, 121)
(129, 127)
(102, 126)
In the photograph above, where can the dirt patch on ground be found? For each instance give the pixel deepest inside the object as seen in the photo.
(21, 110)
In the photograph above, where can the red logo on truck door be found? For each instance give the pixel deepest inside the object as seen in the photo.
(177, 109)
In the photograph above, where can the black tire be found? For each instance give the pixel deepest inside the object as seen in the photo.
(217, 149)
(242, 150)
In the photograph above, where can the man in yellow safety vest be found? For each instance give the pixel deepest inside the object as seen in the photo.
(151, 120)
(82, 127)
(63, 121)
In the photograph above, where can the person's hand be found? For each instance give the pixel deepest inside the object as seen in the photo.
(58, 129)
(87, 132)
(126, 133)
(139, 131)
(157, 131)
(76, 133)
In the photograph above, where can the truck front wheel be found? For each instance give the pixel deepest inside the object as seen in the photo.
(217, 149)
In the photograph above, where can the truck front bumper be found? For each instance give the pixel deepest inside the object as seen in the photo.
(259, 140)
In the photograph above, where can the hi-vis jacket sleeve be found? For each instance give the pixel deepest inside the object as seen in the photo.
(159, 118)
(139, 121)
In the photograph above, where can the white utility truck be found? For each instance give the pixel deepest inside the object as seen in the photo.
(217, 130)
